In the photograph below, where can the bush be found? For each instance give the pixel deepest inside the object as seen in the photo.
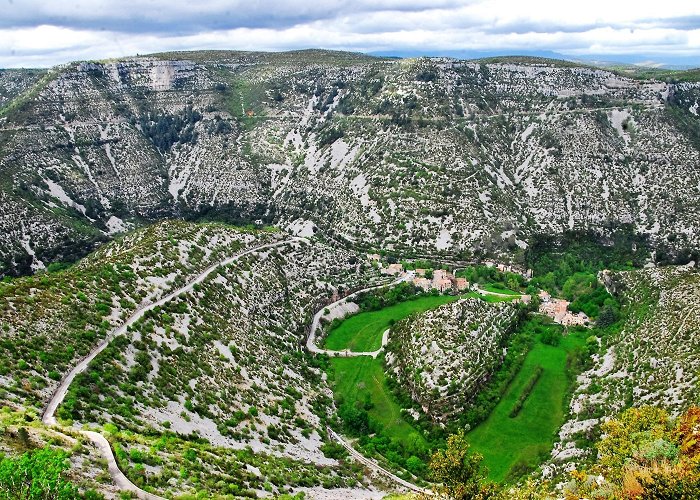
(334, 450)
(659, 449)
(415, 465)
(329, 135)
(526, 392)
(36, 475)
(551, 336)
(355, 420)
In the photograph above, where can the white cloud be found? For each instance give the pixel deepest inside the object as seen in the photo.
(41, 33)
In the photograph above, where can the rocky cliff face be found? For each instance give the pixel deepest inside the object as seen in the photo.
(653, 359)
(429, 155)
(444, 356)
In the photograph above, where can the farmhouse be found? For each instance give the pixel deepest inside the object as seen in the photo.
(557, 309)
(393, 269)
(423, 283)
(460, 283)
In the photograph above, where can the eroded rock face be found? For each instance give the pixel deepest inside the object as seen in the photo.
(221, 359)
(443, 357)
(652, 360)
(433, 155)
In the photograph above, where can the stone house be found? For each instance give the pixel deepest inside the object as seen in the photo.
(423, 283)
(460, 284)
(440, 274)
(393, 269)
(443, 284)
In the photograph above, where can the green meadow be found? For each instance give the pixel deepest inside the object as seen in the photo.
(363, 332)
(522, 442)
(361, 379)
(510, 445)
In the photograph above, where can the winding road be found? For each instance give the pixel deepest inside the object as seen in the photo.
(311, 341)
(374, 465)
(100, 442)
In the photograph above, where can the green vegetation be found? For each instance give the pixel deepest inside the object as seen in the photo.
(667, 75)
(380, 309)
(493, 280)
(67, 308)
(428, 265)
(499, 288)
(491, 393)
(588, 295)
(645, 454)
(375, 300)
(459, 472)
(686, 122)
(490, 298)
(220, 472)
(21, 107)
(165, 130)
(527, 390)
(568, 267)
(38, 475)
(554, 260)
(513, 445)
(362, 332)
(367, 403)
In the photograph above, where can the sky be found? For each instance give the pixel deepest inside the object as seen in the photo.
(41, 33)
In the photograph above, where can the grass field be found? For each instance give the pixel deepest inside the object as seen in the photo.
(497, 289)
(495, 298)
(356, 379)
(524, 440)
(363, 332)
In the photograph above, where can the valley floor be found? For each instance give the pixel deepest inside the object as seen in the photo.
(513, 445)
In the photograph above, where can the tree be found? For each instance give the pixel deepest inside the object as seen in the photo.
(356, 420)
(415, 465)
(608, 316)
(36, 475)
(460, 472)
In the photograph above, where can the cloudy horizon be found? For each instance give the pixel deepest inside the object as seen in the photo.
(45, 33)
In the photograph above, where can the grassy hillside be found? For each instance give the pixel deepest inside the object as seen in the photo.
(362, 380)
(520, 443)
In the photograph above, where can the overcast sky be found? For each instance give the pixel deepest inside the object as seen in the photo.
(46, 32)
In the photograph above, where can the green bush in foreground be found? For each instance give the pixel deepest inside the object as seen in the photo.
(38, 475)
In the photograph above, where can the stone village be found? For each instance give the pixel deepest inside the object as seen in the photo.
(444, 281)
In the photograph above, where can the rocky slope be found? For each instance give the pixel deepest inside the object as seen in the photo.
(51, 320)
(218, 372)
(443, 357)
(15, 82)
(431, 155)
(652, 360)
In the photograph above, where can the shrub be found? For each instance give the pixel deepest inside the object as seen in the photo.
(36, 475)
(334, 450)
(526, 392)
